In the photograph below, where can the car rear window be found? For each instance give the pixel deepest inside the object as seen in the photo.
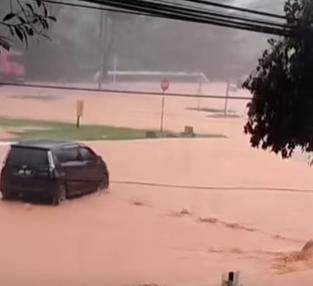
(27, 156)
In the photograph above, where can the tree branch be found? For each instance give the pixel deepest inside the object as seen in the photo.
(25, 21)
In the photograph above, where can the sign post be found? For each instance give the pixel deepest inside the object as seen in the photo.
(199, 93)
(165, 84)
(79, 112)
(101, 46)
(231, 279)
(114, 69)
(226, 98)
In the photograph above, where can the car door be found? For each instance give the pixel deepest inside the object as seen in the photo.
(93, 170)
(74, 169)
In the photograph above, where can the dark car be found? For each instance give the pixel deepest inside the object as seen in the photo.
(52, 169)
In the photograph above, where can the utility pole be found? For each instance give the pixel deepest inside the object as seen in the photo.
(226, 98)
(101, 49)
(231, 279)
(114, 68)
(165, 84)
(162, 114)
(199, 92)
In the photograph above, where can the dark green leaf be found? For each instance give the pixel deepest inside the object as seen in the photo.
(45, 36)
(30, 31)
(45, 10)
(8, 17)
(52, 18)
(11, 31)
(5, 44)
(30, 7)
(22, 20)
(19, 33)
(25, 37)
(44, 23)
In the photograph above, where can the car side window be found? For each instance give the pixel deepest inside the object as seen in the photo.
(87, 154)
(68, 155)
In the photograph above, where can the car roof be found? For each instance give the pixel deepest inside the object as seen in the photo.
(45, 144)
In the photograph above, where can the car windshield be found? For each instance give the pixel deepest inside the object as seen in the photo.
(27, 156)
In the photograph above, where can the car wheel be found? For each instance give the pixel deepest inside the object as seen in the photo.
(104, 185)
(59, 196)
(7, 195)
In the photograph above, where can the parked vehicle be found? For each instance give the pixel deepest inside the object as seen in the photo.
(52, 169)
(12, 67)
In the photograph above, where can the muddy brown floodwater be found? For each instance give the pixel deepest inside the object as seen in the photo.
(179, 212)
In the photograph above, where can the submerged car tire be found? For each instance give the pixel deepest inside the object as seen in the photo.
(104, 185)
(7, 195)
(59, 196)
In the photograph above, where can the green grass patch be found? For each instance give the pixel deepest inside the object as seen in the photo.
(22, 129)
(36, 129)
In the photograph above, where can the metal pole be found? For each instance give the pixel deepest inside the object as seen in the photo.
(78, 121)
(162, 114)
(200, 93)
(226, 98)
(231, 279)
(101, 46)
(114, 69)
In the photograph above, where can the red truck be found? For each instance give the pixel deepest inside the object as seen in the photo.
(12, 66)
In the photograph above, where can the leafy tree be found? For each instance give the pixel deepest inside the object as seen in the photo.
(24, 20)
(280, 116)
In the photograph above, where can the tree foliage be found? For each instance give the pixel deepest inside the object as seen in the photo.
(25, 20)
(280, 116)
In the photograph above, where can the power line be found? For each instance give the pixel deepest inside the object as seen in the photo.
(210, 3)
(211, 20)
(224, 15)
(214, 19)
(172, 12)
(215, 14)
(91, 7)
(235, 8)
(124, 11)
(223, 6)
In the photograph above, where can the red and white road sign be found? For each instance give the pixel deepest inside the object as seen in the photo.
(165, 84)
